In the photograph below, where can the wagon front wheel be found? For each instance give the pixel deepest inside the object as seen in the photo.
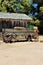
(29, 38)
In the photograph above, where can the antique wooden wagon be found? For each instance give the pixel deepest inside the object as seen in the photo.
(16, 27)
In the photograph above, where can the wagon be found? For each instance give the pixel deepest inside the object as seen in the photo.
(17, 27)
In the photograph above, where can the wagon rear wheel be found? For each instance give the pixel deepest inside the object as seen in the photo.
(7, 39)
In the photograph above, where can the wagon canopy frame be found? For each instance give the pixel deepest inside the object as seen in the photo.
(14, 16)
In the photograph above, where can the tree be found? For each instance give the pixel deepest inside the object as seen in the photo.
(26, 5)
(21, 6)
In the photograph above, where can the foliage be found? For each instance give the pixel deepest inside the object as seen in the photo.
(14, 6)
(41, 8)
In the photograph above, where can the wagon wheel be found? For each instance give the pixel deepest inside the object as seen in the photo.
(29, 38)
(14, 37)
(10, 39)
(7, 39)
(4, 36)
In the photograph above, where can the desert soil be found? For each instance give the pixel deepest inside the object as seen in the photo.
(21, 53)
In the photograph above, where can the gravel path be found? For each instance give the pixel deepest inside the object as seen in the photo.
(21, 53)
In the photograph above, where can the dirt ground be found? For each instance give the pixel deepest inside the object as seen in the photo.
(21, 53)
